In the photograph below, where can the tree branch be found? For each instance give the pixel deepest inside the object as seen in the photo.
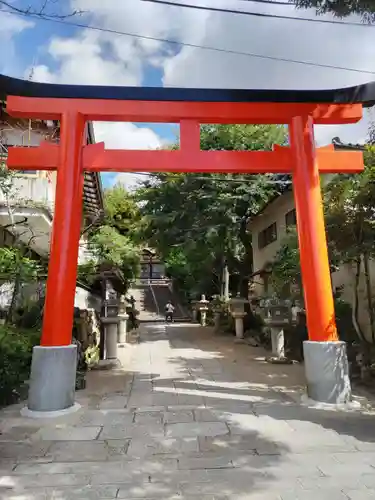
(42, 12)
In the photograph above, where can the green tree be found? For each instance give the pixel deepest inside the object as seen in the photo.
(206, 216)
(285, 267)
(116, 250)
(350, 219)
(121, 211)
(340, 8)
(113, 240)
(350, 225)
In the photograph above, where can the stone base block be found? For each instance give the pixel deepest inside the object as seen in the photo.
(52, 378)
(327, 372)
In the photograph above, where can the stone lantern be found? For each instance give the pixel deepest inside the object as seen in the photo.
(237, 309)
(277, 314)
(123, 317)
(202, 306)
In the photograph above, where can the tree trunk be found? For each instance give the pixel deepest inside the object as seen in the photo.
(13, 302)
(365, 355)
(355, 304)
(226, 282)
(246, 241)
(369, 295)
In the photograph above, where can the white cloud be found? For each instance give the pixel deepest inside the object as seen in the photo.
(11, 27)
(126, 136)
(102, 58)
(310, 42)
(95, 57)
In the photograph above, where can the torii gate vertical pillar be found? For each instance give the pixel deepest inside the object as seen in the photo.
(53, 370)
(326, 364)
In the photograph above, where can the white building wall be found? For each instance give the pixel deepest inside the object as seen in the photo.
(14, 136)
(344, 277)
(275, 212)
(86, 300)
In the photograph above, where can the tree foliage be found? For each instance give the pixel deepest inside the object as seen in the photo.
(121, 211)
(14, 263)
(286, 267)
(340, 8)
(205, 216)
(113, 241)
(350, 225)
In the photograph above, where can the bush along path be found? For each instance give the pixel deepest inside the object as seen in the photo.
(16, 347)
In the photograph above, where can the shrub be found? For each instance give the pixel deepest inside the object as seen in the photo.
(15, 359)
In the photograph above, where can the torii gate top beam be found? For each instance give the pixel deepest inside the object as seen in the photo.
(170, 105)
(359, 94)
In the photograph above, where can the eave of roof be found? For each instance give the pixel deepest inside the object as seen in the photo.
(93, 190)
(364, 93)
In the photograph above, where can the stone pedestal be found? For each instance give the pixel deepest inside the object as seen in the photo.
(327, 372)
(52, 380)
(277, 342)
(203, 308)
(217, 321)
(122, 317)
(122, 329)
(203, 316)
(238, 320)
(111, 324)
(194, 311)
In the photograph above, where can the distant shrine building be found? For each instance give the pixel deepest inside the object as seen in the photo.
(152, 267)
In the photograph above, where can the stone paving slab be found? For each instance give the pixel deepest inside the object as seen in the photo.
(194, 417)
(69, 493)
(132, 431)
(194, 429)
(148, 446)
(67, 433)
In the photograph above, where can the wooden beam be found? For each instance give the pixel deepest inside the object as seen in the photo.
(176, 111)
(98, 159)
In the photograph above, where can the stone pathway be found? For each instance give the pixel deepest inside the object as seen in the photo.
(194, 417)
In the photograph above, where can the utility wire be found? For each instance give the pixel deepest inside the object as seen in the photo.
(193, 45)
(256, 14)
(223, 179)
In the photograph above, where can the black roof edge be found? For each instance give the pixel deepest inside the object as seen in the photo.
(98, 181)
(364, 93)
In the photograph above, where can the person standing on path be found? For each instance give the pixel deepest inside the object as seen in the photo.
(169, 310)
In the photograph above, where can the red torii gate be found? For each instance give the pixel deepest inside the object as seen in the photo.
(71, 158)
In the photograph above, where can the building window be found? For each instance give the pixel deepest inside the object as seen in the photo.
(291, 218)
(267, 236)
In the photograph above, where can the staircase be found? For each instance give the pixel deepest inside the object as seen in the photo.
(151, 297)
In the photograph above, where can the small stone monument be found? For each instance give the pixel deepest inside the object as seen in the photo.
(111, 326)
(216, 306)
(123, 317)
(203, 308)
(194, 310)
(237, 309)
(277, 315)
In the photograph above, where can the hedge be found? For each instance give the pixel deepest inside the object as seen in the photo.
(15, 359)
